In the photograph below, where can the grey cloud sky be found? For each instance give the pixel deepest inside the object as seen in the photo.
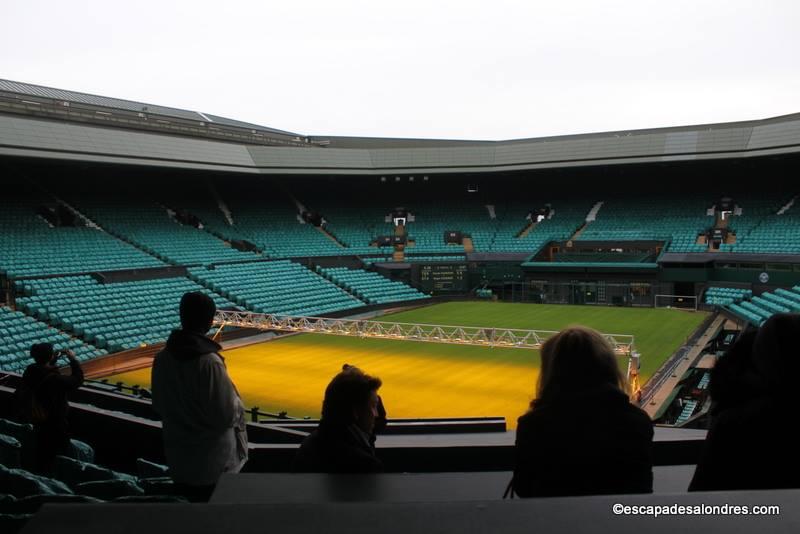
(435, 69)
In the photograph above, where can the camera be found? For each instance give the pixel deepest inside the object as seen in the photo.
(58, 354)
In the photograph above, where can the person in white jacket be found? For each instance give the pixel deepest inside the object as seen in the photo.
(202, 414)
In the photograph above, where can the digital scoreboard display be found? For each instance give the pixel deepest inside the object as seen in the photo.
(437, 277)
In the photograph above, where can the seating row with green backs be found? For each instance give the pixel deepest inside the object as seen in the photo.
(370, 286)
(774, 234)
(792, 304)
(269, 219)
(760, 308)
(758, 228)
(277, 287)
(746, 314)
(420, 259)
(353, 222)
(567, 217)
(30, 246)
(19, 331)
(117, 316)
(721, 296)
(432, 218)
(669, 217)
(150, 227)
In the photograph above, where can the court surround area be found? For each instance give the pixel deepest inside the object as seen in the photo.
(437, 380)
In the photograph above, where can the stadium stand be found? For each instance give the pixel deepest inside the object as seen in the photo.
(209, 208)
(272, 220)
(152, 228)
(75, 478)
(686, 413)
(355, 224)
(722, 296)
(117, 316)
(20, 331)
(278, 287)
(31, 246)
(678, 219)
(432, 219)
(420, 259)
(566, 220)
(371, 287)
(757, 309)
(764, 228)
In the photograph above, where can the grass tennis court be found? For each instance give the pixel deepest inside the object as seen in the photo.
(437, 380)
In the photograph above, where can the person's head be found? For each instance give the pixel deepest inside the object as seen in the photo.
(352, 398)
(775, 350)
(42, 353)
(575, 360)
(197, 312)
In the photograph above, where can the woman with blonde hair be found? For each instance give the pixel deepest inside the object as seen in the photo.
(582, 435)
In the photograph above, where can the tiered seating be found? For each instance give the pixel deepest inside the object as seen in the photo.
(770, 305)
(205, 207)
(686, 413)
(678, 219)
(371, 287)
(788, 296)
(355, 224)
(421, 259)
(29, 246)
(704, 380)
(745, 313)
(759, 309)
(278, 287)
(568, 217)
(116, 316)
(19, 331)
(150, 227)
(74, 478)
(434, 218)
(721, 296)
(269, 219)
(761, 230)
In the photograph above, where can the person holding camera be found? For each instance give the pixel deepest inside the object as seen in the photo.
(42, 400)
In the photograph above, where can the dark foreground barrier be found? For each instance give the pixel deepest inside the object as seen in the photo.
(709, 513)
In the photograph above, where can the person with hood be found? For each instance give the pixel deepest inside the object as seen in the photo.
(582, 435)
(344, 440)
(202, 414)
(43, 402)
(752, 443)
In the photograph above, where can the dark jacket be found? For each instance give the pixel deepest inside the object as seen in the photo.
(751, 446)
(337, 449)
(50, 389)
(591, 443)
(752, 442)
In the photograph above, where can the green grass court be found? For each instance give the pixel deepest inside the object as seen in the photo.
(437, 380)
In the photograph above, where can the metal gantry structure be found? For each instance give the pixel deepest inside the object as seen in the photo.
(456, 335)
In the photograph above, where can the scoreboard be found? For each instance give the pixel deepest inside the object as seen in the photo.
(445, 277)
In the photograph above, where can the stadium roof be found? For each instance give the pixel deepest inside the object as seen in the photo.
(36, 122)
(129, 105)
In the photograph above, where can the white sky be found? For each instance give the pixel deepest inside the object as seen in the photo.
(429, 69)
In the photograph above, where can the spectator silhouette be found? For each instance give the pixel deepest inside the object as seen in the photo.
(343, 442)
(733, 377)
(752, 442)
(42, 401)
(582, 435)
(202, 414)
(381, 420)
